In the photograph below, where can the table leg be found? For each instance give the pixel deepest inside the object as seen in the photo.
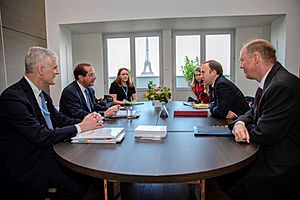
(202, 195)
(105, 189)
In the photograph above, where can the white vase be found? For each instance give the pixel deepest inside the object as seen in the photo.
(156, 103)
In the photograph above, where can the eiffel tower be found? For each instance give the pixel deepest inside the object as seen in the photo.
(147, 64)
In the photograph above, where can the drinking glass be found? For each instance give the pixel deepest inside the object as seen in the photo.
(129, 113)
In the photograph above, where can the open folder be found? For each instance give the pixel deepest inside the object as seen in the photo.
(211, 131)
(101, 135)
(123, 114)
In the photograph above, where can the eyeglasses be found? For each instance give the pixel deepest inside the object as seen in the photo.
(91, 75)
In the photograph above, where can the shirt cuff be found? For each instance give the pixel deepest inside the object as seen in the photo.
(238, 122)
(102, 113)
(78, 128)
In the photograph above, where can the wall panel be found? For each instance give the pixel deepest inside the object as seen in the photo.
(15, 48)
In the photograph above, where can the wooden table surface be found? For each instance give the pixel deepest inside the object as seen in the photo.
(180, 157)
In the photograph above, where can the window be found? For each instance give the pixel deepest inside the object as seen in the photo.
(118, 55)
(204, 45)
(147, 60)
(187, 45)
(138, 52)
(217, 47)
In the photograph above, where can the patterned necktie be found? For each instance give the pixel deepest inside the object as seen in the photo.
(45, 111)
(88, 101)
(258, 95)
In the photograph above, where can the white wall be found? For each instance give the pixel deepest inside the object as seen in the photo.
(87, 48)
(244, 35)
(278, 30)
(292, 43)
(70, 11)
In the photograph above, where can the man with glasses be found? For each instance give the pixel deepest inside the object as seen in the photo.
(78, 98)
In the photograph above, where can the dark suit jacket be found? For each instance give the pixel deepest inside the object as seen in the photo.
(275, 125)
(26, 142)
(226, 96)
(72, 102)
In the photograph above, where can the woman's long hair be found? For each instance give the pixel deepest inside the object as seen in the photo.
(194, 81)
(129, 82)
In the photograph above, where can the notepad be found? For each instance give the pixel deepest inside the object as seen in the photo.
(211, 131)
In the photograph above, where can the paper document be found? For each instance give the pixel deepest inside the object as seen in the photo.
(123, 114)
(101, 140)
(150, 131)
(101, 133)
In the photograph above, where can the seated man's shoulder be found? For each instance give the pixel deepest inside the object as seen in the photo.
(70, 88)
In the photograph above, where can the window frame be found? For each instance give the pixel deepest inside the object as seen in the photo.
(131, 36)
(202, 57)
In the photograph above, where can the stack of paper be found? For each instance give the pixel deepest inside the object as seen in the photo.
(101, 135)
(151, 132)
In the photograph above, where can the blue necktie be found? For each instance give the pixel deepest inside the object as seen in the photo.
(88, 101)
(45, 111)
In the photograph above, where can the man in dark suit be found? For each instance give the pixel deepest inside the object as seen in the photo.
(274, 123)
(78, 98)
(226, 100)
(30, 125)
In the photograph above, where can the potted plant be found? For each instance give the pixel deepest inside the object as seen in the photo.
(154, 92)
(189, 67)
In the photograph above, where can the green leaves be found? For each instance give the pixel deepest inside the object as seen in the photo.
(189, 67)
(157, 93)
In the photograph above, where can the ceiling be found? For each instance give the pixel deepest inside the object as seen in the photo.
(172, 23)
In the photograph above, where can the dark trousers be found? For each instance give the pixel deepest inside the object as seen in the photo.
(23, 184)
(260, 181)
(69, 184)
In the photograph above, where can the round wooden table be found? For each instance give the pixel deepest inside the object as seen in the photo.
(180, 157)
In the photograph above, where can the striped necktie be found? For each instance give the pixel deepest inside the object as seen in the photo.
(45, 111)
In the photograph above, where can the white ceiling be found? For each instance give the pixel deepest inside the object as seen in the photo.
(172, 23)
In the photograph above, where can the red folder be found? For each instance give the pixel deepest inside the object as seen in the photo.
(190, 113)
